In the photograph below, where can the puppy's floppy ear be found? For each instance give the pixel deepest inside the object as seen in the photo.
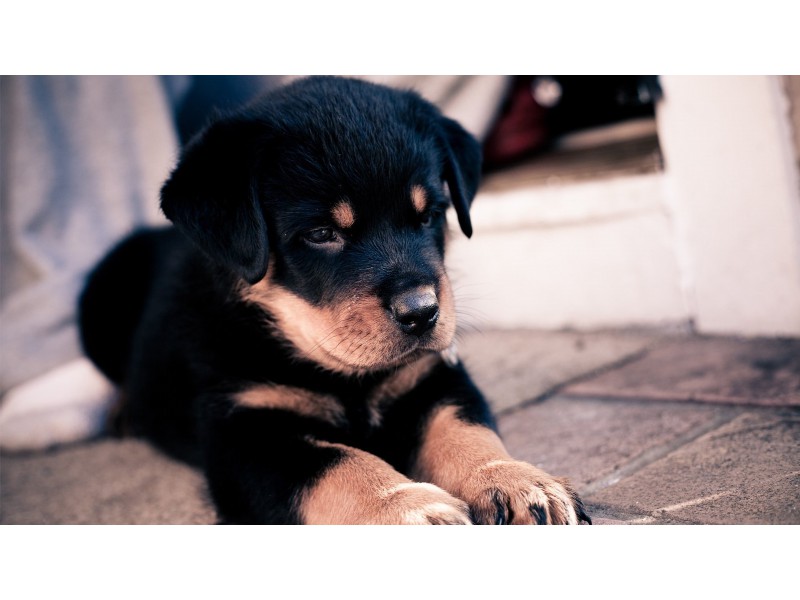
(212, 197)
(462, 170)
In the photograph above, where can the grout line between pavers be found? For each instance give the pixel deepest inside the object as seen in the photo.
(712, 497)
(646, 520)
(695, 397)
(627, 516)
(555, 389)
(655, 514)
(653, 454)
(694, 502)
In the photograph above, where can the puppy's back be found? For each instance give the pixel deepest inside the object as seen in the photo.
(116, 292)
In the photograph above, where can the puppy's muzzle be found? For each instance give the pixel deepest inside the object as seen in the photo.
(416, 310)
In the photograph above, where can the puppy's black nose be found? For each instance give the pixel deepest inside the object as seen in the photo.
(416, 310)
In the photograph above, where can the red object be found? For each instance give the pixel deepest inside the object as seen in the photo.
(520, 130)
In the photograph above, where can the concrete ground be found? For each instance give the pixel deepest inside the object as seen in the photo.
(652, 428)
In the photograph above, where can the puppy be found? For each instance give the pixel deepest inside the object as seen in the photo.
(292, 333)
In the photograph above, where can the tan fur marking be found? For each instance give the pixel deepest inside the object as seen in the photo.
(303, 402)
(354, 336)
(343, 214)
(418, 199)
(351, 337)
(363, 489)
(453, 450)
(470, 462)
(399, 383)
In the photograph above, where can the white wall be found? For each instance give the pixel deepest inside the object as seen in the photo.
(734, 186)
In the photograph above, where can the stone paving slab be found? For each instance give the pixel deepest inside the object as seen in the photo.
(633, 461)
(109, 482)
(760, 371)
(747, 471)
(593, 442)
(113, 481)
(515, 366)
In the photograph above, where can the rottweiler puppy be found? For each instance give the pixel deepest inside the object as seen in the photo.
(292, 334)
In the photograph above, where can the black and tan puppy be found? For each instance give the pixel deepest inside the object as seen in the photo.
(291, 333)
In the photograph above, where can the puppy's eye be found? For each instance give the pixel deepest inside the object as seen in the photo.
(321, 235)
(429, 217)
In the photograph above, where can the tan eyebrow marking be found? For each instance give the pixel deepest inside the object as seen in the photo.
(343, 214)
(418, 199)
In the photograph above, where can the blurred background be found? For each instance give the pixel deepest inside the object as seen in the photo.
(674, 202)
(650, 202)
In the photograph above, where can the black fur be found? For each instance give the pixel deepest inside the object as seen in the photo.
(163, 317)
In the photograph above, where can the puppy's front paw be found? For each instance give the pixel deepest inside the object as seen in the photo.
(517, 493)
(421, 504)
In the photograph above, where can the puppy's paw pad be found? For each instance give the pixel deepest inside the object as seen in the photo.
(424, 504)
(515, 492)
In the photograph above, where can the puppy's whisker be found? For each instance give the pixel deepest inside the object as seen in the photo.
(345, 339)
(471, 313)
(336, 330)
(333, 331)
(324, 339)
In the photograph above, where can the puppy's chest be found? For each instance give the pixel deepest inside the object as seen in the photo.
(355, 410)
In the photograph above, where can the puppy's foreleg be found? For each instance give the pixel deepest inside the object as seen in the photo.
(467, 458)
(363, 489)
(264, 467)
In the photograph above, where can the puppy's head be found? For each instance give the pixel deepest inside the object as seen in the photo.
(327, 199)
